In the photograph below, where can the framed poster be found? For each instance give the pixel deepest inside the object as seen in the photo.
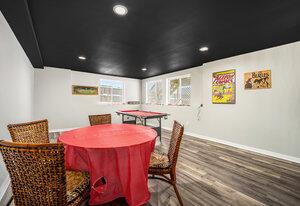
(258, 80)
(84, 90)
(223, 87)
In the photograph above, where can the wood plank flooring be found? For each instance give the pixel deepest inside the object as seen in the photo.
(210, 173)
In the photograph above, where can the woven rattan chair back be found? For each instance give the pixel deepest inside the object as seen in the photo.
(175, 141)
(37, 173)
(100, 119)
(30, 132)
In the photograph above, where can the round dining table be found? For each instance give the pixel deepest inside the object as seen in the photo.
(117, 158)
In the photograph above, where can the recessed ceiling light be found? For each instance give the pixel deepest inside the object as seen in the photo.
(82, 57)
(120, 10)
(203, 49)
(144, 69)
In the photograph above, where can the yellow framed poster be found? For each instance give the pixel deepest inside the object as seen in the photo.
(223, 87)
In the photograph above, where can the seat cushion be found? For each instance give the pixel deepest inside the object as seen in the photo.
(159, 160)
(77, 185)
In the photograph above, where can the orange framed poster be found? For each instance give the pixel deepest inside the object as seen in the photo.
(258, 80)
(223, 87)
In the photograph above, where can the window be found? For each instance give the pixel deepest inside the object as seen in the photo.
(179, 90)
(111, 91)
(154, 92)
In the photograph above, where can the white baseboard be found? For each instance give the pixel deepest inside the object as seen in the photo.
(240, 146)
(4, 187)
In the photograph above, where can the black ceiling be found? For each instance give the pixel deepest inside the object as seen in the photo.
(162, 35)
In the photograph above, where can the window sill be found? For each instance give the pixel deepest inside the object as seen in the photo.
(154, 104)
(180, 105)
(111, 103)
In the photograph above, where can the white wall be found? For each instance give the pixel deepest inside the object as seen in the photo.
(54, 99)
(266, 119)
(16, 86)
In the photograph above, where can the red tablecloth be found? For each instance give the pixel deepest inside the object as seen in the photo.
(116, 156)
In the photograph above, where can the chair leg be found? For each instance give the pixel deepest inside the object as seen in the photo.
(177, 194)
(173, 182)
(173, 176)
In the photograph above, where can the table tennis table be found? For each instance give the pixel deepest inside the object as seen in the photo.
(143, 116)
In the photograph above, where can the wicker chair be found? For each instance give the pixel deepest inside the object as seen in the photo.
(165, 164)
(38, 175)
(30, 132)
(100, 119)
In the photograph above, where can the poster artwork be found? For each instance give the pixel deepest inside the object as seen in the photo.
(258, 80)
(84, 90)
(223, 87)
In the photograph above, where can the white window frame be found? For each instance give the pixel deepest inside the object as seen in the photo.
(154, 81)
(168, 89)
(111, 102)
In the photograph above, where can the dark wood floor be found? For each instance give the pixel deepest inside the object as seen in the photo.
(210, 173)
